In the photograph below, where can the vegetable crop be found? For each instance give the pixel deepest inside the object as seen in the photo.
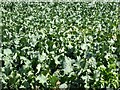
(48, 45)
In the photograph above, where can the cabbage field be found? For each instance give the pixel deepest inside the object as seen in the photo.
(60, 45)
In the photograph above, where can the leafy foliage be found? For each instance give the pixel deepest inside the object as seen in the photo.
(60, 45)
